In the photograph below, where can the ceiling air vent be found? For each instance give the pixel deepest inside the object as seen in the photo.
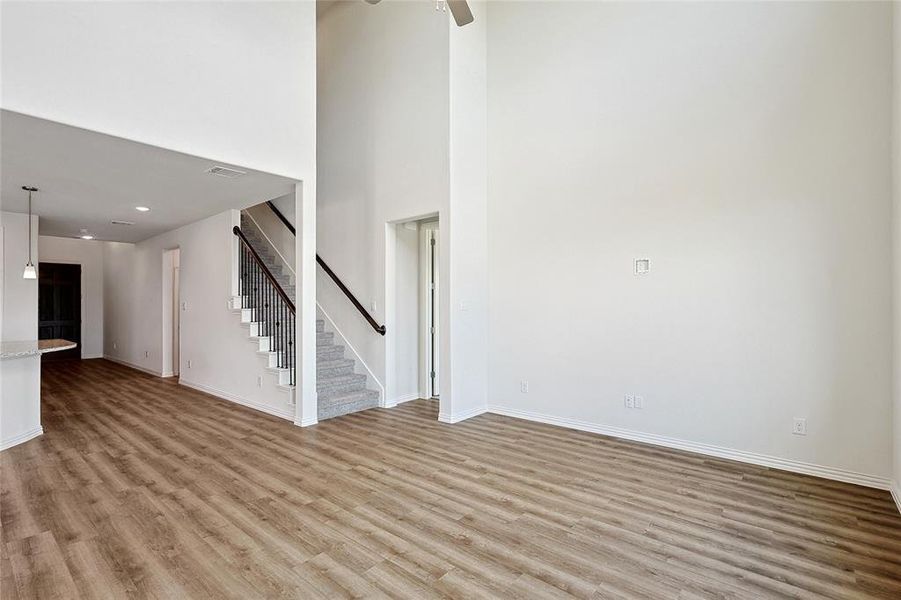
(122, 222)
(226, 172)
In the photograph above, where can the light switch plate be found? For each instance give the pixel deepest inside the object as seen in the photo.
(642, 266)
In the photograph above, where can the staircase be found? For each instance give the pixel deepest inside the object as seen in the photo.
(340, 389)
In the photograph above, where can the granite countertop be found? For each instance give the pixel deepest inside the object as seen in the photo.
(33, 347)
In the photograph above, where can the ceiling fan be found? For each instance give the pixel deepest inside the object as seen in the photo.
(459, 8)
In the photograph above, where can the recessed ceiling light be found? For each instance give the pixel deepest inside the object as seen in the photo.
(87, 237)
(141, 208)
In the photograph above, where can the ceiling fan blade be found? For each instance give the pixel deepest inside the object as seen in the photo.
(372, 1)
(461, 12)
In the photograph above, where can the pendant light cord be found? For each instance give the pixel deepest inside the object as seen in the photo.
(29, 227)
(30, 190)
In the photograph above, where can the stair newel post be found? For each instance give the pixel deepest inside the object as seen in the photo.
(257, 292)
(281, 332)
(292, 364)
(285, 321)
(285, 329)
(290, 357)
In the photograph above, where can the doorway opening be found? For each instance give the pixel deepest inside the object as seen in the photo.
(172, 307)
(59, 307)
(412, 313)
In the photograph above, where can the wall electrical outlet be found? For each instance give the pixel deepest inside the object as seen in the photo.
(524, 387)
(146, 353)
(259, 381)
(629, 401)
(639, 401)
(190, 363)
(799, 427)
(115, 346)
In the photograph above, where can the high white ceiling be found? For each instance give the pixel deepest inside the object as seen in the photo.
(87, 179)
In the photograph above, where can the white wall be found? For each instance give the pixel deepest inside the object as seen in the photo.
(232, 81)
(20, 378)
(88, 254)
(286, 206)
(223, 358)
(383, 147)
(19, 296)
(279, 236)
(745, 150)
(896, 165)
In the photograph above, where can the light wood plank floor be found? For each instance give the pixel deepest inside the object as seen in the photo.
(142, 488)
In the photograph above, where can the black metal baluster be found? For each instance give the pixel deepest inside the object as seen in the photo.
(273, 311)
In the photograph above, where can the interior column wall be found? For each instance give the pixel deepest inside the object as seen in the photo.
(464, 231)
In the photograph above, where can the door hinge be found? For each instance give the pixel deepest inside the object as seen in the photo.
(432, 241)
(432, 375)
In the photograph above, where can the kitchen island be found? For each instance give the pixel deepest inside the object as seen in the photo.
(20, 388)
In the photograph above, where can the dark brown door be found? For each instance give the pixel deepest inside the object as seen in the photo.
(59, 306)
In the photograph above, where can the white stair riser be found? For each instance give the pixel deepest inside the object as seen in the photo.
(283, 375)
(262, 342)
(271, 358)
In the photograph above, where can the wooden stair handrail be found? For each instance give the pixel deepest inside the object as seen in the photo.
(380, 329)
(256, 257)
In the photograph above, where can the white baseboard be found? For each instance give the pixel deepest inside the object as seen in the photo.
(896, 494)
(307, 422)
(132, 365)
(762, 460)
(21, 438)
(461, 416)
(406, 398)
(269, 410)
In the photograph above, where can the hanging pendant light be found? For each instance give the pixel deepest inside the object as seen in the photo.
(30, 272)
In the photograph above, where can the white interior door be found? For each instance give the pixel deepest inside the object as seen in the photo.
(434, 331)
(176, 321)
